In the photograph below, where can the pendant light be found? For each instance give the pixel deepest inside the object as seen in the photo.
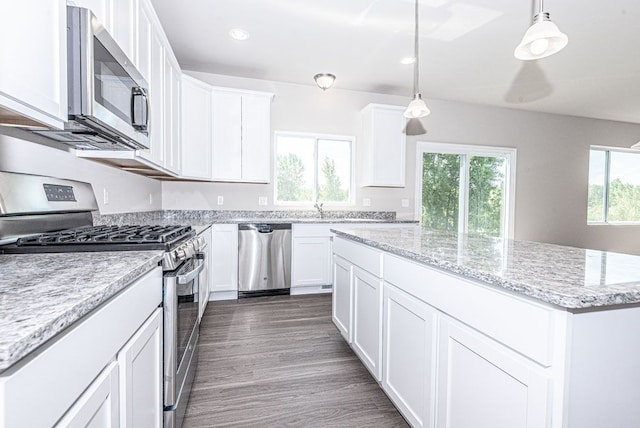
(542, 39)
(417, 107)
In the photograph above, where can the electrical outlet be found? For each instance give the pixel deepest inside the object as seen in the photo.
(404, 203)
(105, 196)
(366, 202)
(150, 198)
(262, 200)
(220, 200)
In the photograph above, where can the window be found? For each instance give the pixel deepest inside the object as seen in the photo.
(313, 168)
(614, 186)
(466, 189)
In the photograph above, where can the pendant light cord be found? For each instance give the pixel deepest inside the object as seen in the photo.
(416, 55)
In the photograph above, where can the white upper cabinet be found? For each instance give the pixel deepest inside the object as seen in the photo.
(123, 24)
(172, 113)
(119, 18)
(152, 58)
(256, 137)
(227, 136)
(33, 81)
(381, 145)
(102, 9)
(241, 136)
(196, 133)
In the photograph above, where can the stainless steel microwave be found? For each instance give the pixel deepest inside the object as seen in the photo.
(108, 98)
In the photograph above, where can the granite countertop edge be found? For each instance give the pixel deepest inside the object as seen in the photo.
(19, 349)
(547, 295)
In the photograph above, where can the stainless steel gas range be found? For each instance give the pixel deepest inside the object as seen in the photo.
(49, 215)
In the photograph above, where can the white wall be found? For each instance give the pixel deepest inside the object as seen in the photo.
(552, 166)
(127, 192)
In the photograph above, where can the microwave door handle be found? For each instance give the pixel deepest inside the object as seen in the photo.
(136, 107)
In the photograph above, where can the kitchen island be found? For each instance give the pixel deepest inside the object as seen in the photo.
(467, 331)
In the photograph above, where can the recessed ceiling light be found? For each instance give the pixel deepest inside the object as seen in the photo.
(408, 60)
(239, 34)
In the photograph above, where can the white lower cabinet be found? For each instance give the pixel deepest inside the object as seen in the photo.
(342, 297)
(484, 384)
(311, 264)
(367, 320)
(409, 346)
(104, 371)
(204, 281)
(98, 407)
(224, 261)
(311, 261)
(140, 364)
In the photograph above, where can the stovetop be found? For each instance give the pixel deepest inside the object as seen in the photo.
(103, 238)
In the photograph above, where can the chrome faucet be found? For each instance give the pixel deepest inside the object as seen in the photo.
(318, 206)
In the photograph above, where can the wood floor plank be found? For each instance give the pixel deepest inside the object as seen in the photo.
(280, 362)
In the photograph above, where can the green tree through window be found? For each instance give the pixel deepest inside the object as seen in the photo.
(462, 192)
(440, 191)
(312, 168)
(291, 178)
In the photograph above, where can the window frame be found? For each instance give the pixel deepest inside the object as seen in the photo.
(509, 153)
(605, 191)
(316, 136)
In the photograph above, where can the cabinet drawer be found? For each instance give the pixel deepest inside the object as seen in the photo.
(311, 230)
(360, 255)
(519, 324)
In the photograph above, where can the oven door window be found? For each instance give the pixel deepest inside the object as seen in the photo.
(113, 86)
(187, 308)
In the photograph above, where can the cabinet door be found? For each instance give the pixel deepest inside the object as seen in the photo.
(342, 297)
(155, 152)
(383, 145)
(227, 136)
(171, 114)
(122, 26)
(482, 383)
(224, 257)
(196, 128)
(367, 320)
(33, 81)
(204, 282)
(409, 355)
(311, 261)
(140, 362)
(100, 8)
(98, 406)
(144, 32)
(256, 137)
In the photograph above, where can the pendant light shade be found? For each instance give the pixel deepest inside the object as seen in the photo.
(417, 107)
(542, 39)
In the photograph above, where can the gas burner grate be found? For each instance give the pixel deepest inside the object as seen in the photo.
(106, 235)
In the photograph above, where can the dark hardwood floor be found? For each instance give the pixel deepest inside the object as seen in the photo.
(280, 361)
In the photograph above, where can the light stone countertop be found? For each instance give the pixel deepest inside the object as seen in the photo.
(572, 278)
(43, 294)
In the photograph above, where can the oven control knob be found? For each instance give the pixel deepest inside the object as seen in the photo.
(181, 254)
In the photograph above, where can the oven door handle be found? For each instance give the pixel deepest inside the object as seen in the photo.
(192, 274)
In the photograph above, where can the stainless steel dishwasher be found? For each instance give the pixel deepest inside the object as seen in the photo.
(264, 259)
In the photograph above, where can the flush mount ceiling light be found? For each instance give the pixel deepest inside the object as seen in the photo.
(542, 39)
(407, 60)
(239, 34)
(416, 108)
(324, 80)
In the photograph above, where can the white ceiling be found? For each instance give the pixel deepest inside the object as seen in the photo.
(466, 49)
